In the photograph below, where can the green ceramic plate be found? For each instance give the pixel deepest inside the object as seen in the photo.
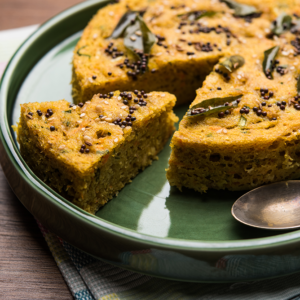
(149, 227)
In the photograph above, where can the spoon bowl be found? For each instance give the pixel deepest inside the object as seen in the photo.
(274, 206)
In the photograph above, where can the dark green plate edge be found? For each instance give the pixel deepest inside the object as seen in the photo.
(14, 166)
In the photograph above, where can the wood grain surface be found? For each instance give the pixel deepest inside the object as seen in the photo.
(27, 268)
(17, 13)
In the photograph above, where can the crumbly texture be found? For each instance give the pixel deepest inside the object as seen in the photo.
(242, 150)
(180, 62)
(208, 152)
(85, 153)
(170, 68)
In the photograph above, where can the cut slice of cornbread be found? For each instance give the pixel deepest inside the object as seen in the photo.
(88, 152)
(258, 141)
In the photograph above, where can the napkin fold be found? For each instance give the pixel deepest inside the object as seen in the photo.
(89, 278)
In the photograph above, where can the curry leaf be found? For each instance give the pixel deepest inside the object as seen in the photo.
(213, 105)
(123, 23)
(196, 15)
(232, 63)
(298, 85)
(269, 59)
(137, 36)
(240, 9)
(242, 121)
(82, 54)
(295, 28)
(282, 23)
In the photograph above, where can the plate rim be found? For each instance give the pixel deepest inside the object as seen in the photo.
(41, 188)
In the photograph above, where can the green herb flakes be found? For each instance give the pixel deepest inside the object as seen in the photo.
(232, 63)
(136, 34)
(123, 24)
(242, 121)
(213, 105)
(240, 10)
(82, 54)
(281, 24)
(269, 60)
(143, 41)
(196, 15)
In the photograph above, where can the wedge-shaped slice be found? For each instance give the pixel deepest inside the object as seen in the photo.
(256, 141)
(89, 152)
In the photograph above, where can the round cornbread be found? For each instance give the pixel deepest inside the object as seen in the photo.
(236, 151)
(169, 68)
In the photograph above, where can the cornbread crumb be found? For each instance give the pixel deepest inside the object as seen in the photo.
(88, 161)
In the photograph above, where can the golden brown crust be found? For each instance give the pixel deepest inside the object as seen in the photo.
(261, 139)
(214, 152)
(176, 72)
(111, 154)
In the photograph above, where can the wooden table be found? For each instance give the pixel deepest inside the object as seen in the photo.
(27, 268)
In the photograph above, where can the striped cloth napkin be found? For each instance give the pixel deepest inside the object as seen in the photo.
(89, 278)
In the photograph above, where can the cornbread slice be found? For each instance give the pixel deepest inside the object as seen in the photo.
(88, 152)
(258, 142)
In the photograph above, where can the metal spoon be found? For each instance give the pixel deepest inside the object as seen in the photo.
(274, 206)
